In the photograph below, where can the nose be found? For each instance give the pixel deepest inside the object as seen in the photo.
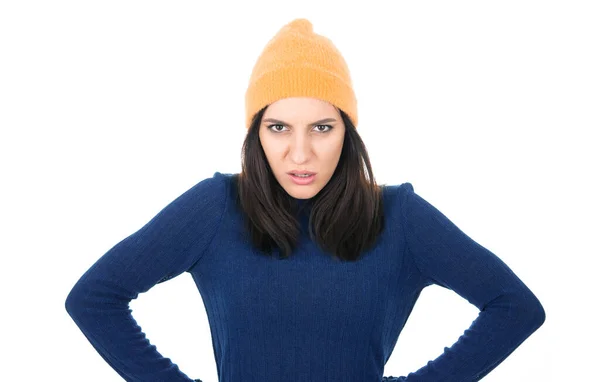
(300, 148)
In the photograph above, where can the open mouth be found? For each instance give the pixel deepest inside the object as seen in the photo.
(302, 179)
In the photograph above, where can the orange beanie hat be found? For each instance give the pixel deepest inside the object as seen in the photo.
(297, 62)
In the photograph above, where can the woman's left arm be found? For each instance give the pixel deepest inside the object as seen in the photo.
(446, 256)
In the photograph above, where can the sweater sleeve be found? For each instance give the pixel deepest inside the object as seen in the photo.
(446, 256)
(168, 245)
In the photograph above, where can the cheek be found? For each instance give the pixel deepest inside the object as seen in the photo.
(273, 153)
(268, 146)
(274, 156)
(331, 150)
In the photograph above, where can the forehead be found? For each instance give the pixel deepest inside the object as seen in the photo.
(300, 107)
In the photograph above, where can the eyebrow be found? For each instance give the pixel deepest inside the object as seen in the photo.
(288, 125)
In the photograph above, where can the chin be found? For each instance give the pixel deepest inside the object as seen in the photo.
(303, 192)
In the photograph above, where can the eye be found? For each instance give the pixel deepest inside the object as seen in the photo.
(329, 126)
(270, 127)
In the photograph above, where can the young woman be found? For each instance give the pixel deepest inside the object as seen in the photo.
(307, 268)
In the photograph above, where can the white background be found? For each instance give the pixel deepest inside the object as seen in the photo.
(109, 110)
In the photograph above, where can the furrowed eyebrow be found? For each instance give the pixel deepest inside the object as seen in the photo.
(273, 120)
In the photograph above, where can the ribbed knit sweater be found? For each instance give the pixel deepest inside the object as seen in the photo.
(310, 317)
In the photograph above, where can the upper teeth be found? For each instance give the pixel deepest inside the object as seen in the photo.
(302, 175)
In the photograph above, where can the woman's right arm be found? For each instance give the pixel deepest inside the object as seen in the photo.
(169, 244)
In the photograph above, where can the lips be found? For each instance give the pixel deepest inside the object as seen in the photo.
(302, 180)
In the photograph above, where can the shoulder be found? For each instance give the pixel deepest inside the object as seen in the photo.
(397, 193)
(208, 194)
(396, 189)
(215, 186)
(395, 197)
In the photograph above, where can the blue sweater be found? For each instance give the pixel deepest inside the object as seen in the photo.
(309, 317)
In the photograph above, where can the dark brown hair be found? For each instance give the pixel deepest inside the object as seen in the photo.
(346, 216)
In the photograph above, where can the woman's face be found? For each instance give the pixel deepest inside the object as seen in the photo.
(302, 134)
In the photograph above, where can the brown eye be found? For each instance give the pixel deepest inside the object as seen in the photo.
(270, 127)
(326, 131)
